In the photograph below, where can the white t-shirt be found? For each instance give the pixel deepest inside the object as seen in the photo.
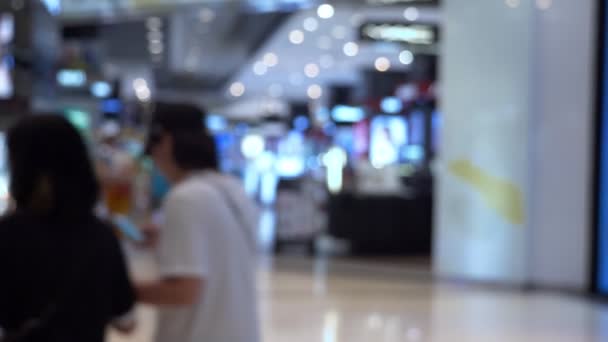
(204, 235)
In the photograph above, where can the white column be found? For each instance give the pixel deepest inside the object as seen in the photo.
(514, 78)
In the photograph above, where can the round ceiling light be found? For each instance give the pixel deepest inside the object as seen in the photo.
(315, 92)
(406, 57)
(296, 37)
(411, 14)
(310, 24)
(311, 70)
(271, 59)
(259, 68)
(351, 49)
(326, 11)
(237, 89)
(382, 64)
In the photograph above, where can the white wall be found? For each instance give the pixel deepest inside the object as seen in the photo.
(562, 121)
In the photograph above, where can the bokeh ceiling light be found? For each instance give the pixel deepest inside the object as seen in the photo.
(326, 11)
(406, 57)
(143, 94)
(315, 92)
(237, 89)
(259, 68)
(411, 14)
(296, 37)
(351, 49)
(311, 70)
(382, 64)
(310, 24)
(139, 83)
(271, 59)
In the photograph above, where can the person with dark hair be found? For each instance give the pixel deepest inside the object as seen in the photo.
(206, 290)
(64, 273)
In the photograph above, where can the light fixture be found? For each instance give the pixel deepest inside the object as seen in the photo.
(139, 83)
(351, 49)
(339, 32)
(101, 89)
(237, 89)
(270, 59)
(391, 105)
(71, 78)
(315, 92)
(310, 24)
(406, 57)
(324, 43)
(326, 11)
(326, 61)
(143, 94)
(411, 14)
(296, 37)
(335, 160)
(311, 70)
(382, 64)
(259, 68)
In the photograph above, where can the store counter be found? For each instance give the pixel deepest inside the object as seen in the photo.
(382, 224)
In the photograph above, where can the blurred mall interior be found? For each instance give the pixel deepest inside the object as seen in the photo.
(426, 170)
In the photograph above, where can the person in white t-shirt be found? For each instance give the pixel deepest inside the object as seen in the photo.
(206, 291)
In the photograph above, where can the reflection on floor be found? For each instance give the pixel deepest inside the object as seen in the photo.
(340, 301)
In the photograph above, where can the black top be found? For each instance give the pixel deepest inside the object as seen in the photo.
(79, 269)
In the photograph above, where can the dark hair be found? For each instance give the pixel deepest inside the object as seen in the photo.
(47, 148)
(193, 147)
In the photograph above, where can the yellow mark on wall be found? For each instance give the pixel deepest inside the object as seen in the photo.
(503, 196)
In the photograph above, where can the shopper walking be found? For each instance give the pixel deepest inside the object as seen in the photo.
(206, 289)
(63, 272)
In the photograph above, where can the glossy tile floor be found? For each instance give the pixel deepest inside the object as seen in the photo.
(356, 301)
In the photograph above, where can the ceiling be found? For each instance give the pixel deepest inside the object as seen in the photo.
(324, 48)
